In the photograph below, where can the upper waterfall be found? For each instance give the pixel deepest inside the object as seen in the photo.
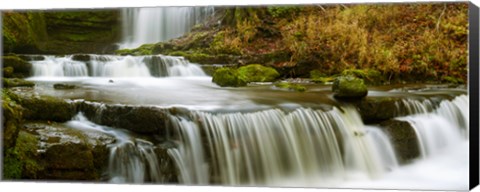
(152, 25)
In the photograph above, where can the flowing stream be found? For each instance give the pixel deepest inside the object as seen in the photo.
(260, 135)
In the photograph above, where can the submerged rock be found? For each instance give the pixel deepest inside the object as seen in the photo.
(403, 138)
(63, 86)
(349, 87)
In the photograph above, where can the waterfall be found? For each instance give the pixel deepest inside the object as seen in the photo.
(115, 66)
(131, 160)
(283, 147)
(446, 125)
(267, 146)
(152, 25)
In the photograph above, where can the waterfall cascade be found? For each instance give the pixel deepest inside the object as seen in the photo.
(115, 66)
(158, 24)
(269, 147)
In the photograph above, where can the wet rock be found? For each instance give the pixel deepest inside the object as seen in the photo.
(63, 86)
(403, 138)
(81, 57)
(44, 107)
(228, 77)
(63, 153)
(139, 119)
(168, 169)
(377, 109)
(348, 87)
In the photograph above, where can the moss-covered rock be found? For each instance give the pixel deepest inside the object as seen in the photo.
(12, 118)
(45, 107)
(228, 77)
(369, 76)
(20, 67)
(15, 82)
(291, 86)
(403, 138)
(258, 73)
(349, 87)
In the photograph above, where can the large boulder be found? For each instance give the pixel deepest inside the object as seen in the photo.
(404, 139)
(228, 77)
(349, 87)
(258, 73)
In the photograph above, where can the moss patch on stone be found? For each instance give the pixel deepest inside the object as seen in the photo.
(258, 73)
(291, 86)
(349, 87)
(228, 77)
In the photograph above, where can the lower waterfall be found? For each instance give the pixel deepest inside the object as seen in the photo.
(293, 147)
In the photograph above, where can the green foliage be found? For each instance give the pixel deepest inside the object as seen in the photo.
(228, 77)
(282, 11)
(12, 166)
(258, 73)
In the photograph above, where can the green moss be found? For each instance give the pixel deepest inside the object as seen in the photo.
(15, 82)
(45, 108)
(27, 146)
(145, 49)
(13, 117)
(228, 77)
(349, 87)
(21, 68)
(258, 73)
(12, 166)
(370, 76)
(291, 86)
(8, 72)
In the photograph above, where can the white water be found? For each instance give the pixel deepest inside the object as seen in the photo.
(115, 66)
(263, 148)
(152, 25)
(308, 147)
(131, 160)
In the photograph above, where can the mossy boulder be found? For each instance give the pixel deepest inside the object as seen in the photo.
(45, 107)
(62, 86)
(349, 87)
(228, 77)
(15, 82)
(19, 67)
(258, 73)
(404, 139)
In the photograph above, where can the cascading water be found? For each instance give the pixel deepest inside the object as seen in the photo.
(441, 128)
(152, 25)
(267, 146)
(291, 147)
(115, 66)
(131, 160)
